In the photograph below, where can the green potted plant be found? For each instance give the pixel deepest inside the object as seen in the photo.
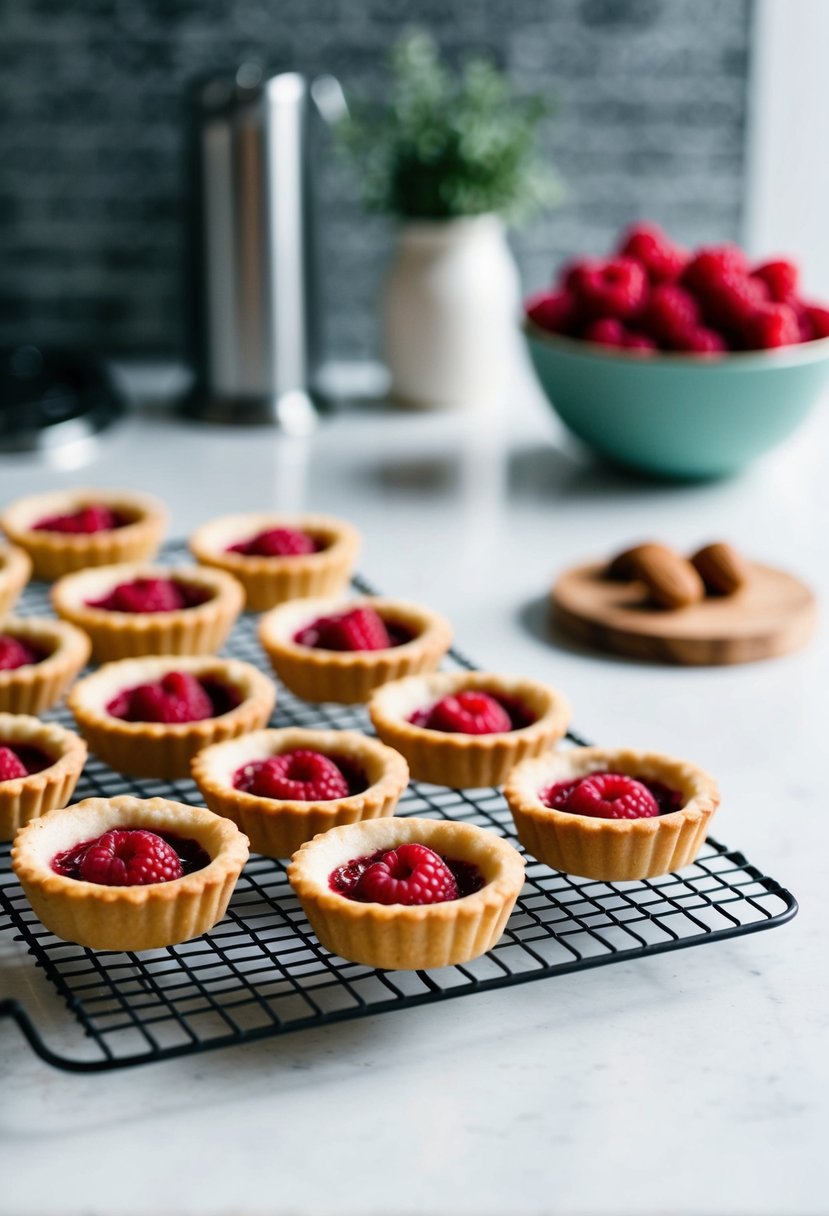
(452, 157)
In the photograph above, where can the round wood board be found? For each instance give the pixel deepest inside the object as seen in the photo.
(773, 614)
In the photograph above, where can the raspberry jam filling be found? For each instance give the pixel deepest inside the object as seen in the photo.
(357, 629)
(612, 796)
(129, 857)
(92, 518)
(152, 595)
(14, 653)
(410, 874)
(277, 542)
(19, 760)
(301, 775)
(473, 712)
(177, 697)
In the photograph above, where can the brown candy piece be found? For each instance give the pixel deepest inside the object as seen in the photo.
(670, 578)
(624, 568)
(721, 567)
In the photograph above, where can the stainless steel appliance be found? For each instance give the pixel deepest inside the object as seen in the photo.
(253, 280)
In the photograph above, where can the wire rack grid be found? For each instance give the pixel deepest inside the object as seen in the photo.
(261, 971)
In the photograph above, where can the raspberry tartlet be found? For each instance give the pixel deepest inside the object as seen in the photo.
(72, 529)
(148, 717)
(40, 764)
(467, 729)
(341, 650)
(133, 610)
(611, 815)
(278, 558)
(138, 898)
(448, 890)
(39, 659)
(15, 572)
(282, 787)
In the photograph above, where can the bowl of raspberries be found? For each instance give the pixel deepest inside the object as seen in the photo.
(679, 363)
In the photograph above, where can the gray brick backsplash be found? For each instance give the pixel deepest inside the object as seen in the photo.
(650, 120)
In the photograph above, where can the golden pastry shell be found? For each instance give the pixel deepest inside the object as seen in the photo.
(274, 580)
(15, 572)
(276, 828)
(398, 936)
(133, 917)
(160, 749)
(35, 687)
(612, 850)
(56, 553)
(26, 798)
(350, 676)
(460, 760)
(201, 629)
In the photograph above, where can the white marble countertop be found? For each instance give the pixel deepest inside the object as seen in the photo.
(687, 1083)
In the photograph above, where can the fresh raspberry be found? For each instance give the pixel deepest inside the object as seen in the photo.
(616, 287)
(670, 313)
(557, 796)
(700, 340)
(781, 279)
(634, 340)
(648, 245)
(301, 775)
(710, 266)
(554, 311)
(11, 766)
(276, 542)
(731, 302)
(572, 273)
(177, 697)
(96, 518)
(612, 796)
(145, 595)
(129, 857)
(410, 874)
(357, 629)
(772, 325)
(818, 318)
(607, 331)
(14, 653)
(469, 713)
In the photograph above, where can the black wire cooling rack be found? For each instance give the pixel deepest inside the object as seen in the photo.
(261, 971)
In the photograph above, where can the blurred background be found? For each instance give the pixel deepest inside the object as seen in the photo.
(651, 114)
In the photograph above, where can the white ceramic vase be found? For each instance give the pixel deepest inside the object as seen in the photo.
(450, 311)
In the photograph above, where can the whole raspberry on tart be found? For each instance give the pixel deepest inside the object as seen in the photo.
(612, 815)
(278, 558)
(335, 650)
(71, 530)
(39, 659)
(40, 764)
(15, 572)
(130, 610)
(148, 717)
(467, 729)
(279, 811)
(407, 893)
(129, 874)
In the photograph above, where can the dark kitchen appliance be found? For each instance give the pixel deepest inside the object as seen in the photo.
(52, 397)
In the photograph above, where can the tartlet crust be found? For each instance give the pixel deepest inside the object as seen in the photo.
(24, 799)
(128, 918)
(54, 554)
(611, 850)
(159, 749)
(274, 580)
(15, 572)
(402, 937)
(201, 629)
(349, 677)
(459, 760)
(277, 827)
(35, 687)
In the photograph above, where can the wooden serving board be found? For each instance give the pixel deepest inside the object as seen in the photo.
(773, 614)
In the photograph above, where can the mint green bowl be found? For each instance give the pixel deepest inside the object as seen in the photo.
(679, 416)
